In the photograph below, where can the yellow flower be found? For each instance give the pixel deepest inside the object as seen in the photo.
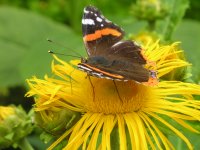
(135, 118)
(144, 37)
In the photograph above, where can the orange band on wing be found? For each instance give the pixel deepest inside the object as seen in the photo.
(100, 33)
(106, 73)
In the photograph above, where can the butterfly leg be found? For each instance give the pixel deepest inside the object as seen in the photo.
(93, 92)
(70, 79)
(117, 90)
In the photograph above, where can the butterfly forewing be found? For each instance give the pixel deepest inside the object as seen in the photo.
(98, 32)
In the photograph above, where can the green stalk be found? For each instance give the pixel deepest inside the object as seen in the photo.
(24, 144)
(178, 9)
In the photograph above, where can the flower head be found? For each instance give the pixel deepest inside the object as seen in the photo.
(15, 125)
(136, 116)
(150, 9)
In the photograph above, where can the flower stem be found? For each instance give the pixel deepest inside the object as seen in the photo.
(25, 145)
(178, 9)
(151, 25)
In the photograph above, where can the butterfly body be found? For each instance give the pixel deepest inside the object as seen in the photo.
(108, 55)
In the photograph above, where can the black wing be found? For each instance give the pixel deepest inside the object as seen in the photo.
(98, 32)
(132, 72)
(127, 51)
(106, 68)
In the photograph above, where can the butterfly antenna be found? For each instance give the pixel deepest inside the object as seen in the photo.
(61, 45)
(51, 52)
(91, 86)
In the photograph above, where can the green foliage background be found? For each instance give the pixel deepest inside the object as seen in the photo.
(26, 24)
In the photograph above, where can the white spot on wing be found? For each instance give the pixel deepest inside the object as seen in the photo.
(84, 68)
(117, 43)
(108, 21)
(102, 16)
(86, 11)
(88, 22)
(108, 78)
(99, 19)
(137, 44)
(102, 25)
(97, 74)
(117, 79)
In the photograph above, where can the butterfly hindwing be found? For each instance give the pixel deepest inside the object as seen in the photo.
(120, 70)
(128, 51)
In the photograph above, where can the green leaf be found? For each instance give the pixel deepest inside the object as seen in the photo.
(36, 142)
(189, 34)
(177, 10)
(181, 145)
(24, 47)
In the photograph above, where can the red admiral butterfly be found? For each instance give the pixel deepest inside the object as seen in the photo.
(108, 56)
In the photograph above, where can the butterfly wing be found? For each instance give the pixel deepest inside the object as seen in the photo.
(127, 51)
(98, 32)
(116, 70)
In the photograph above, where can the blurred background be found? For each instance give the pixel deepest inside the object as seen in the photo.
(25, 26)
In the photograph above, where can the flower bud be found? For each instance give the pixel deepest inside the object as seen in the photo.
(150, 10)
(15, 124)
(56, 122)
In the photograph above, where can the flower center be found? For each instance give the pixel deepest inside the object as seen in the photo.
(111, 97)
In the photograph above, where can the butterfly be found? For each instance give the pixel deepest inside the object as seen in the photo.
(109, 56)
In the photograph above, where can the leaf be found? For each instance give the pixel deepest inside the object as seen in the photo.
(189, 34)
(23, 45)
(180, 144)
(177, 10)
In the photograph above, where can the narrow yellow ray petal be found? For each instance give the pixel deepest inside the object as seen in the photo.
(122, 134)
(89, 132)
(78, 125)
(131, 133)
(176, 98)
(134, 129)
(60, 139)
(178, 133)
(58, 73)
(82, 128)
(187, 126)
(53, 93)
(93, 142)
(171, 114)
(109, 123)
(70, 107)
(143, 117)
(172, 63)
(63, 62)
(149, 140)
(57, 81)
(103, 139)
(188, 111)
(141, 131)
(163, 138)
